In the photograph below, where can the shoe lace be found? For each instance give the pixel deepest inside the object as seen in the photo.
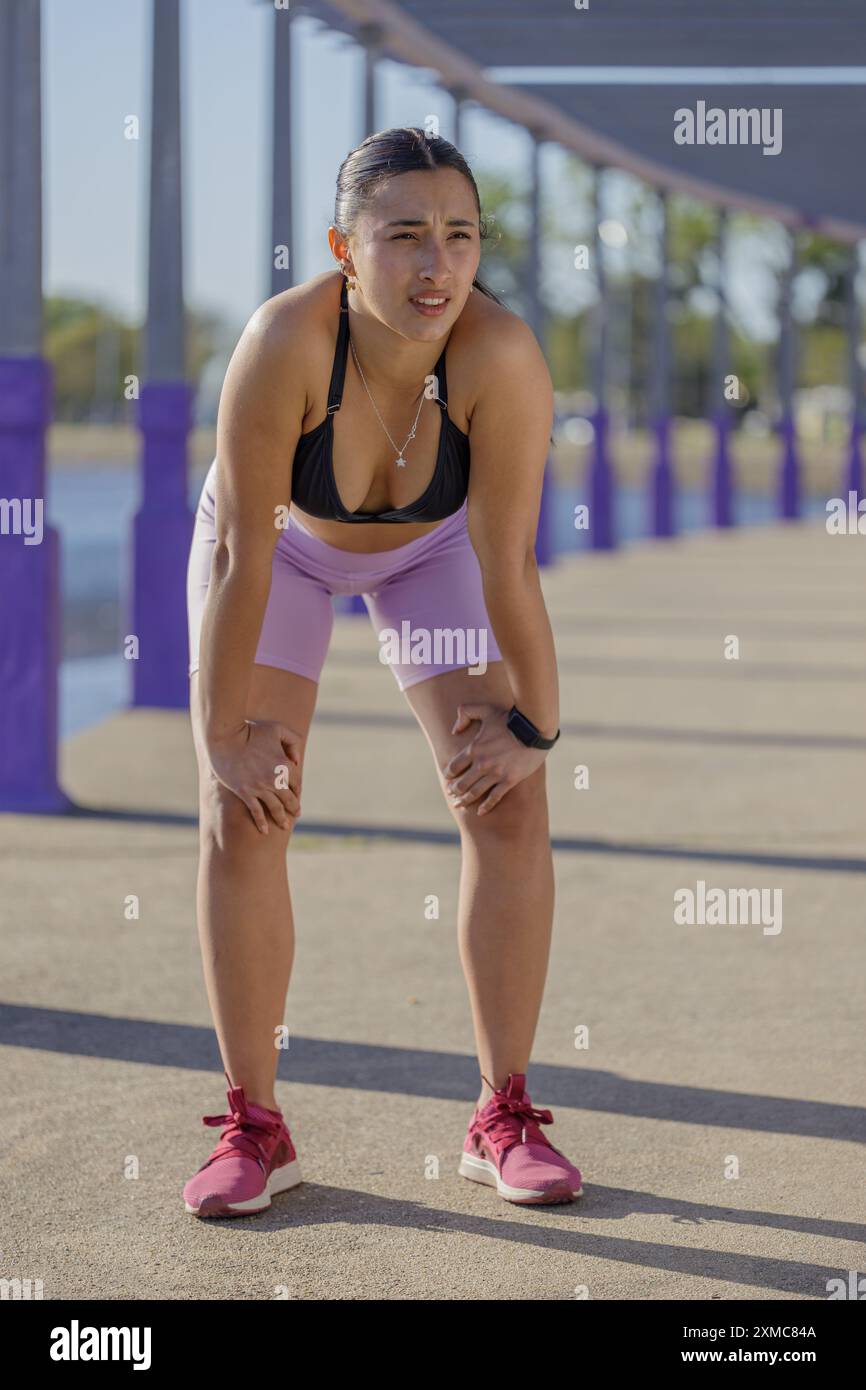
(242, 1128)
(503, 1114)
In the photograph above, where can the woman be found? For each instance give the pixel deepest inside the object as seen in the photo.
(321, 376)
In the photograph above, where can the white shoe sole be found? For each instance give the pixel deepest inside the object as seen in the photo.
(280, 1180)
(482, 1170)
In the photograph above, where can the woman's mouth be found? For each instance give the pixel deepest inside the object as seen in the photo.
(430, 305)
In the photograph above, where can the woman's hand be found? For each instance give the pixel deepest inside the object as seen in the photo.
(260, 762)
(492, 762)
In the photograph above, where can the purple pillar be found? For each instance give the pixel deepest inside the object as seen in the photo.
(789, 474)
(545, 536)
(370, 38)
(162, 528)
(30, 617)
(663, 486)
(854, 480)
(789, 471)
(601, 481)
(282, 147)
(854, 466)
(601, 528)
(722, 505)
(722, 500)
(162, 534)
(662, 521)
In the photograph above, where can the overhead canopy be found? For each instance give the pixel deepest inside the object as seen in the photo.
(817, 169)
(586, 103)
(726, 33)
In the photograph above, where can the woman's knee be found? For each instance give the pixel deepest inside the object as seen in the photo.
(520, 815)
(225, 823)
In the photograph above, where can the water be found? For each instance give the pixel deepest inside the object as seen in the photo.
(93, 508)
(632, 516)
(91, 689)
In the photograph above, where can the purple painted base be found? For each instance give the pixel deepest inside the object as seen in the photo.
(789, 474)
(722, 496)
(601, 528)
(545, 546)
(29, 596)
(854, 473)
(32, 802)
(662, 501)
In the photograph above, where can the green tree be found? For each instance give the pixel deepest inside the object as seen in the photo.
(93, 351)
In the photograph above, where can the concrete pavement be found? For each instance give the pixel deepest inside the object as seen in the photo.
(718, 1110)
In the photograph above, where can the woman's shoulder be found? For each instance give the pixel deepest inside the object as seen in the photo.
(491, 326)
(491, 346)
(296, 315)
(290, 336)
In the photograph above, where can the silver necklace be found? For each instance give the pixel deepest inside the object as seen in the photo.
(399, 460)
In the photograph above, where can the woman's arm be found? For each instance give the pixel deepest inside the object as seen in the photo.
(509, 439)
(261, 410)
(510, 431)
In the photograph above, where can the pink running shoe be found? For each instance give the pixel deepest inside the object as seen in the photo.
(506, 1149)
(254, 1158)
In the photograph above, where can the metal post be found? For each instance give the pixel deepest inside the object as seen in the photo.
(459, 97)
(282, 276)
(663, 491)
(369, 35)
(722, 513)
(601, 480)
(162, 528)
(532, 270)
(789, 475)
(544, 535)
(30, 623)
(370, 38)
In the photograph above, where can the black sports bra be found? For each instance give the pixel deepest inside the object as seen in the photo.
(314, 487)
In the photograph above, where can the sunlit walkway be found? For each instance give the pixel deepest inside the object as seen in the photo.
(717, 1112)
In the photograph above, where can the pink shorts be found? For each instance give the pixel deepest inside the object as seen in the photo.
(425, 599)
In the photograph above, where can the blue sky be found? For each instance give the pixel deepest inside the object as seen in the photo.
(96, 57)
(96, 74)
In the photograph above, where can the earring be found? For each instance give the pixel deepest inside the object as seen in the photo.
(351, 280)
(471, 289)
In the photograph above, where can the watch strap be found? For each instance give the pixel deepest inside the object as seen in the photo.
(526, 732)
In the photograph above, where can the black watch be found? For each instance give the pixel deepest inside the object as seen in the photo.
(525, 730)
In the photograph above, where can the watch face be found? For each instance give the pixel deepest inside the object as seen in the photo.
(521, 726)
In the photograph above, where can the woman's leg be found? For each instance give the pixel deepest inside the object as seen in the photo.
(505, 910)
(243, 903)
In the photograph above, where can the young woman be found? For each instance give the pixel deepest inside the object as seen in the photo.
(349, 462)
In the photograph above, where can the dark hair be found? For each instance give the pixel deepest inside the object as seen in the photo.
(386, 154)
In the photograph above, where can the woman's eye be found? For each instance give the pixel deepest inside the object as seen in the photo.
(401, 235)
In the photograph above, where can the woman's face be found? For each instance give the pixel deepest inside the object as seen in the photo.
(418, 237)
